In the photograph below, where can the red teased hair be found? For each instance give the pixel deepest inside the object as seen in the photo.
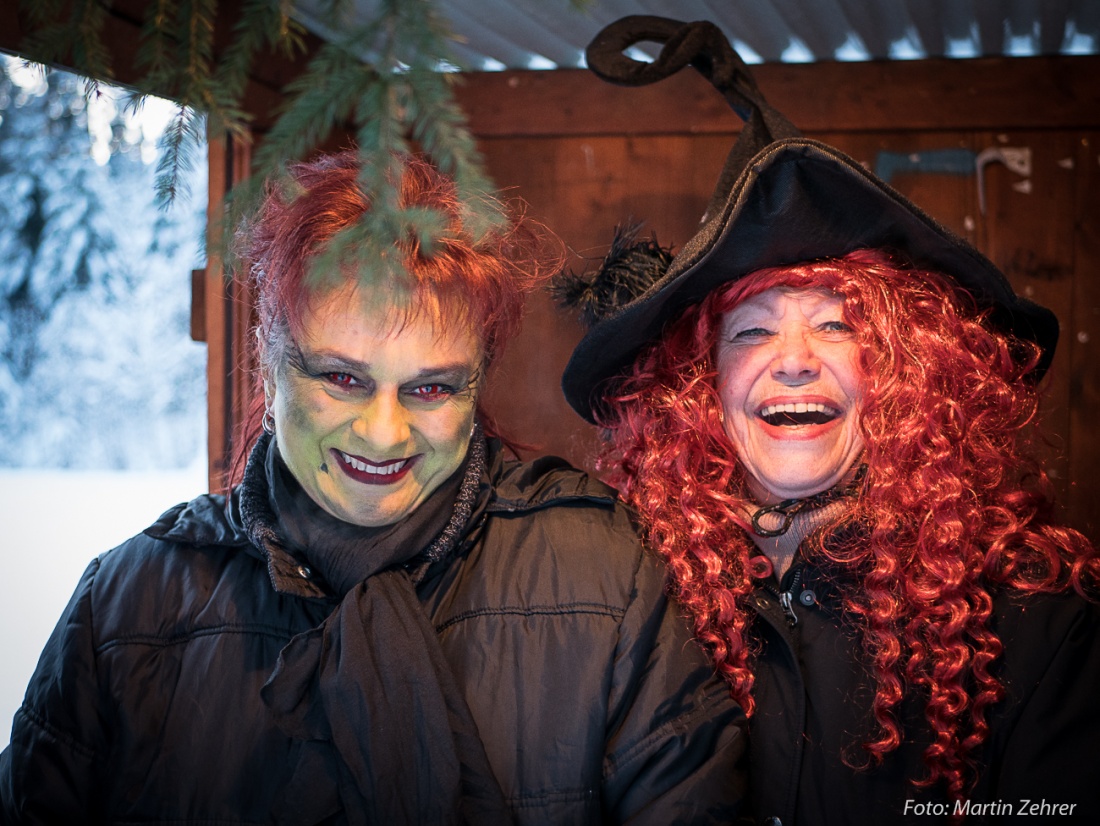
(944, 513)
(481, 281)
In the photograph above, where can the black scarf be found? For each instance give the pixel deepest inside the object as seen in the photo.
(369, 694)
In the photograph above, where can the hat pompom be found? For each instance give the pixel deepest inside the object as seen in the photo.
(627, 272)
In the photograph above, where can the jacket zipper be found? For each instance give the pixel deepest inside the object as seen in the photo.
(786, 598)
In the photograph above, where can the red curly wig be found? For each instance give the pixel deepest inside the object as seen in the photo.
(479, 281)
(951, 506)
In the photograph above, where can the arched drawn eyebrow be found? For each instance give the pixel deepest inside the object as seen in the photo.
(322, 361)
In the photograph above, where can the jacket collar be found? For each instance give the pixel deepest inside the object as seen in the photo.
(517, 487)
(506, 487)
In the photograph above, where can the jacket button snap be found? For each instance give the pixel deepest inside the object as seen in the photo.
(807, 597)
(304, 572)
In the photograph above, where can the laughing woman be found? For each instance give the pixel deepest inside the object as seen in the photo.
(826, 442)
(386, 622)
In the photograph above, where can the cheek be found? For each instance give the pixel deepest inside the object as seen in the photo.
(734, 420)
(850, 372)
(456, 425)
(302, 411)
(733, 386)
(445, 429)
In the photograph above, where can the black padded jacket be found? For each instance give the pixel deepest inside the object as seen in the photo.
(813, 696)
(593, 702)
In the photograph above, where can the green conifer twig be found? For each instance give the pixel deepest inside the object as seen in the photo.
(378, 77)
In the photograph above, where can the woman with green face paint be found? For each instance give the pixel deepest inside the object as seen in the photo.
(385, 620)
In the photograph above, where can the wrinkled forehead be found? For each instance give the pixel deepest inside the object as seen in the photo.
(388, 310)
(781, 301)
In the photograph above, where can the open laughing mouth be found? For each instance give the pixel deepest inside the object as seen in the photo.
(383, 473)
(798, 414)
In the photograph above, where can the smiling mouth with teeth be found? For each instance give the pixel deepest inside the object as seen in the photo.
(385, 473)
(796, 414)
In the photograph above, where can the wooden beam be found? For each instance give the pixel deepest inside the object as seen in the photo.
(226, 308)
(987, 93)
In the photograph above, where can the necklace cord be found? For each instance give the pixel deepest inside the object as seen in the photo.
(789, 508)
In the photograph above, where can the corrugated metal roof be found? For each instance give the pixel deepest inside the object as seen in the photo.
(548, 34)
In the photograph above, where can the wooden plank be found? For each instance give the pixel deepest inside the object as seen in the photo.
(218, 391)
(581, 188)
(1081, 336)
(986, 93)
(227, 321)
(1027, 231)
(926, 167)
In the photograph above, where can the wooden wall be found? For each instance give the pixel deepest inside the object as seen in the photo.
(586, 155)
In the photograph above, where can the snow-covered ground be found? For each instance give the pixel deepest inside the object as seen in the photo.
(52, 524)
(97, 369)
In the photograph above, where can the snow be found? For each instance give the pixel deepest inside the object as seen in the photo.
(102, 392)
(54, 523)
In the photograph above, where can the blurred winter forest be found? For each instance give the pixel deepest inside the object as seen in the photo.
(97, 370)
(102, 392)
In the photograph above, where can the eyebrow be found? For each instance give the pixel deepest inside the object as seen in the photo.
(755, 311)
(333, 362)
(747, 315)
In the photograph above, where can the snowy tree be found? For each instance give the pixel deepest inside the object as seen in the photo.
(96, 366)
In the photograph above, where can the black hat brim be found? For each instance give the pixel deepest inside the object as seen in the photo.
(795, 201)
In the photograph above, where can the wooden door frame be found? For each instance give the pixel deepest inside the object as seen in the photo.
(227, 321)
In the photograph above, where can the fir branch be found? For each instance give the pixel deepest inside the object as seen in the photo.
(89, 48)
(178, 145)
(69, 33)
(441, 130)
(154, 52)
(318, 100)
(381, 137)
(199, 48)
(377, 77)
(261, 23)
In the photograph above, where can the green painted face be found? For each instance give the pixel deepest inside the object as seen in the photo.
(373, 411)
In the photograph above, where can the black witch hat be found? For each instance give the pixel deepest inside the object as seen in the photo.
(781, 199)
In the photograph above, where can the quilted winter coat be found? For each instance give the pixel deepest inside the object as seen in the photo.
(592, 701)
(813, 710)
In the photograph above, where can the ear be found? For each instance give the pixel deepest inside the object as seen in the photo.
(269, 389)
(265, 372)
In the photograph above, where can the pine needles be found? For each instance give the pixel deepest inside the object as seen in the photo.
(377, 73)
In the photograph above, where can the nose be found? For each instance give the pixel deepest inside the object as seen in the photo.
(382, 423)
(795, 362)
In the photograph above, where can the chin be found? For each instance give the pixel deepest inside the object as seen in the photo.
(777, 490)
